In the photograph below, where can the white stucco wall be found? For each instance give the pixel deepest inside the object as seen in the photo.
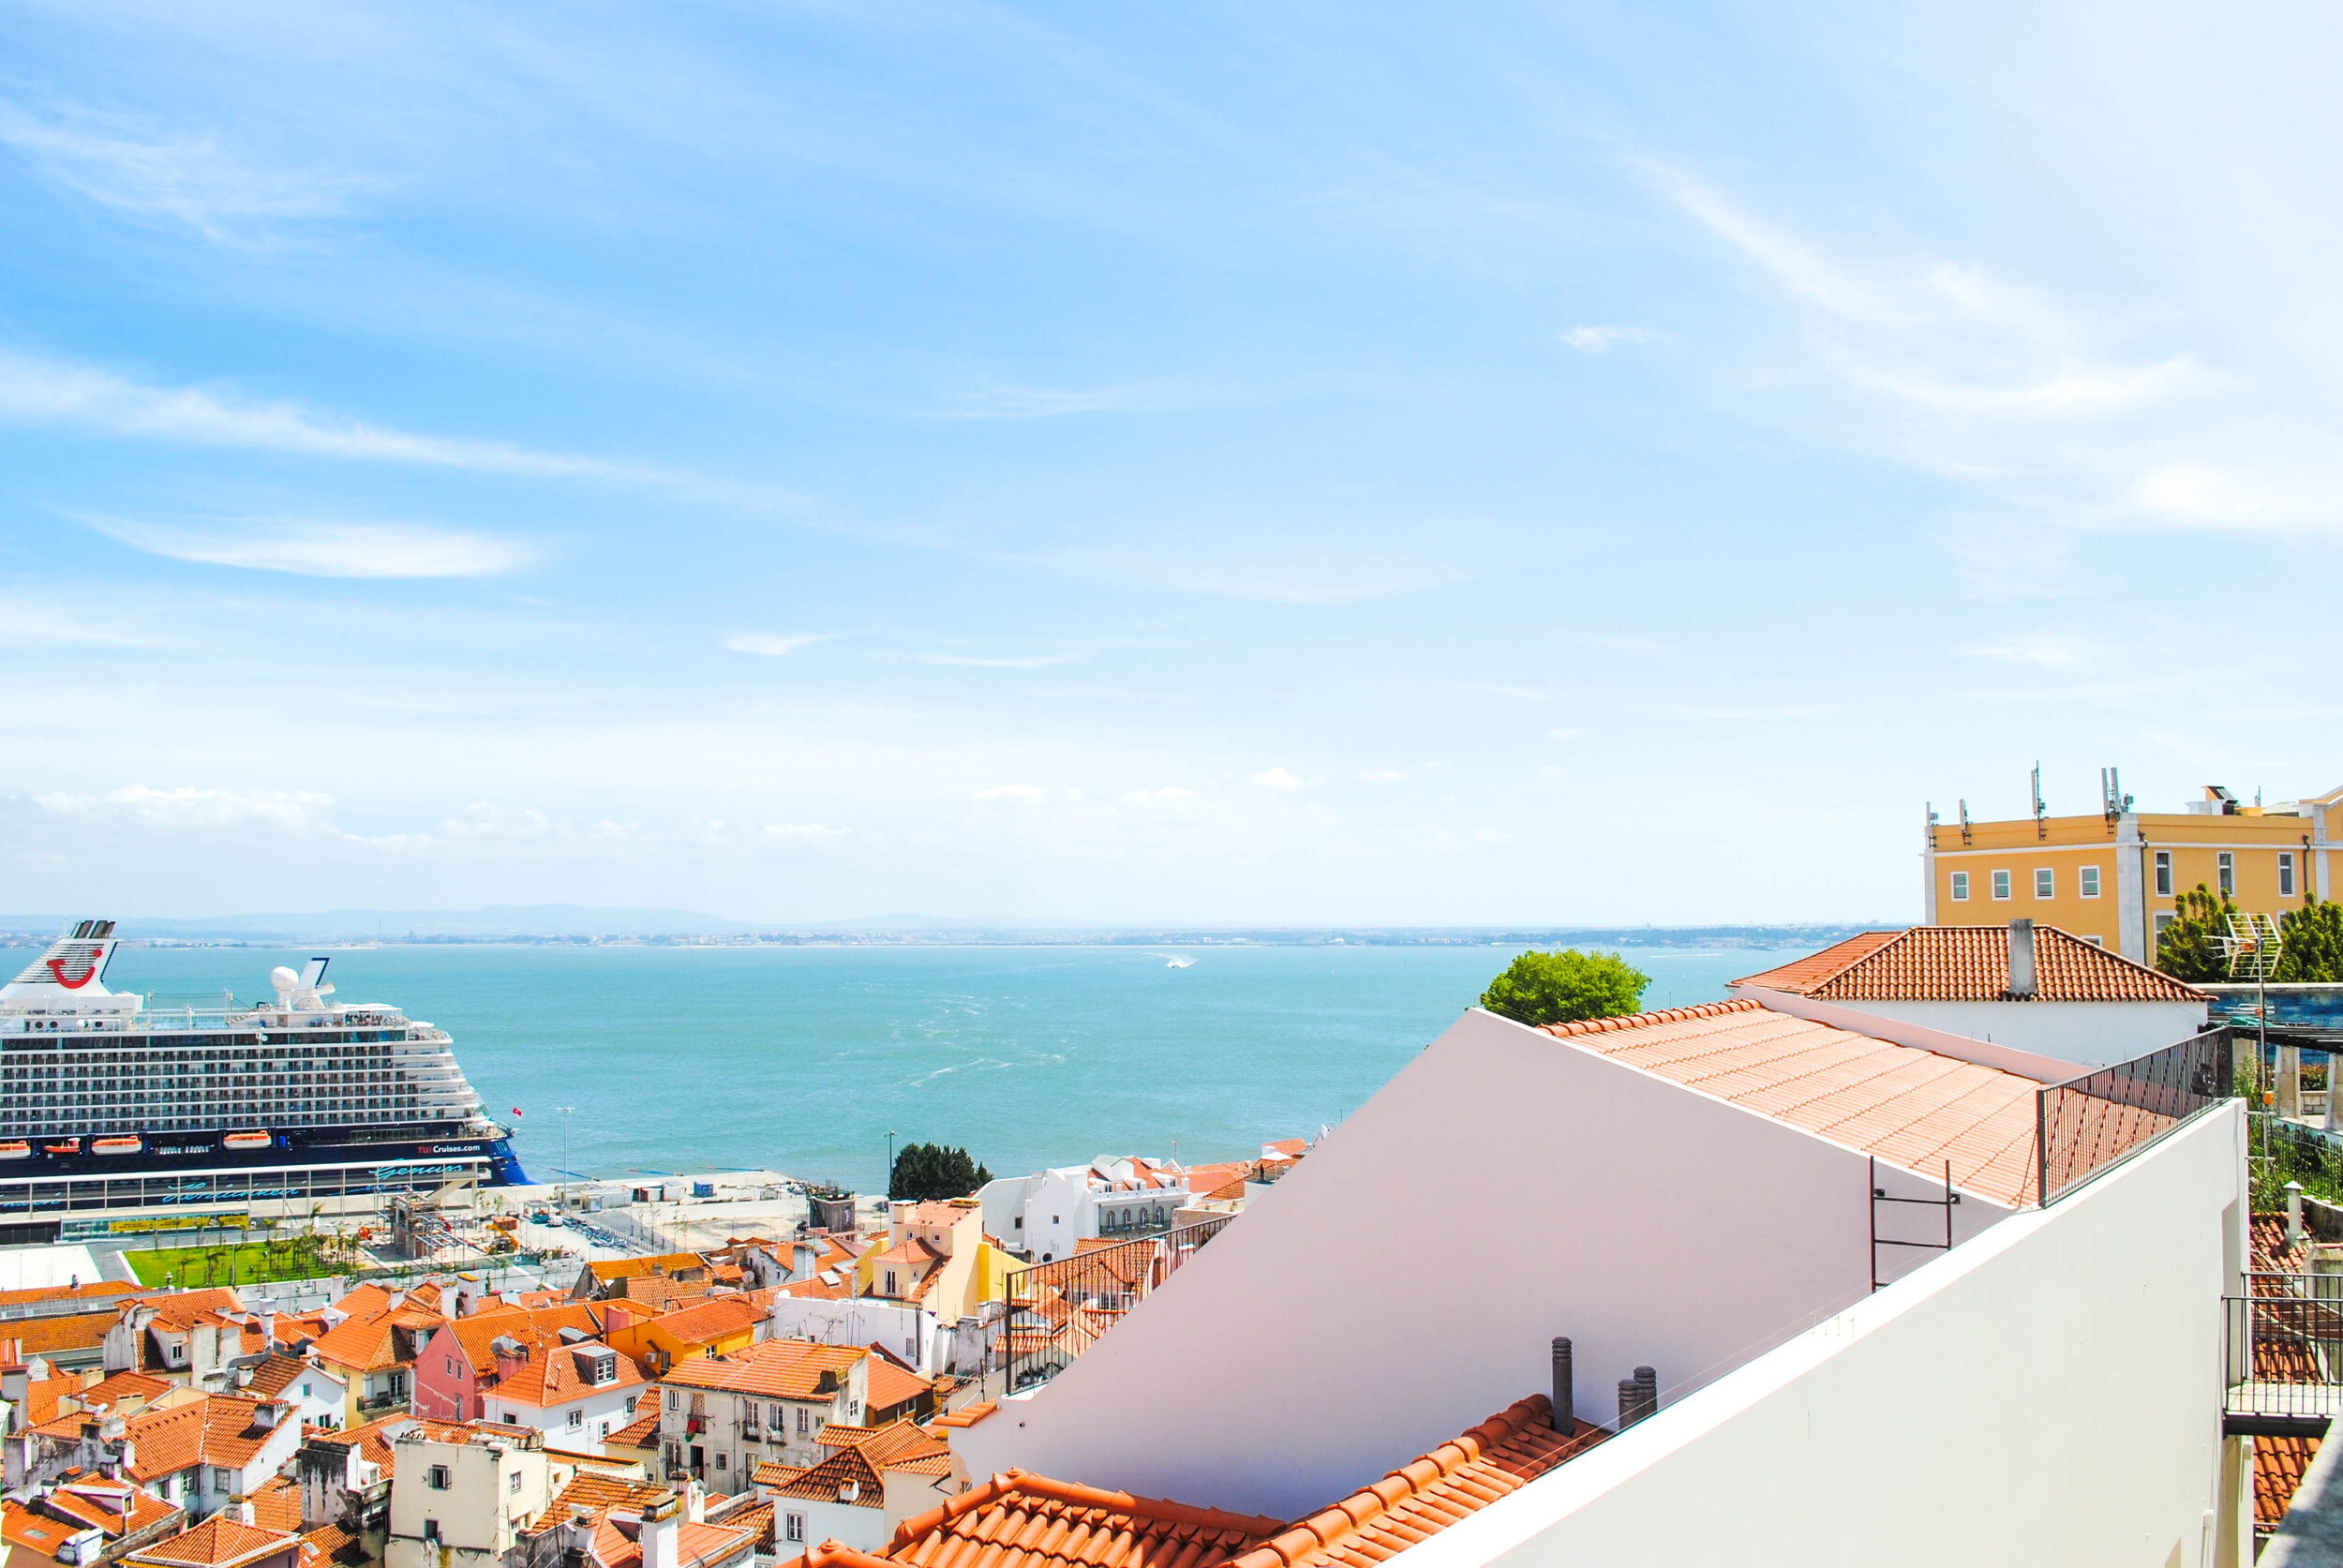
(1522, 1186)
(904, 1328)
(2087, 1034)
(2048, 1394)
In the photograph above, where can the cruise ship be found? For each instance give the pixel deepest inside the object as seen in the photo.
(111, 1109)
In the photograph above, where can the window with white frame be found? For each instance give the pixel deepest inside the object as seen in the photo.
(2227, 874)
(781, 1419)
(2163, 874)
(802, 1419)
(436, 1478)
(1960, 886)
(512, 1481)
(2286, 873)
(793, 1526)
(2045, 882)
(577, 1418)
(2088, 879)
(2000, 885)
(720, 1458)
(2163, 918)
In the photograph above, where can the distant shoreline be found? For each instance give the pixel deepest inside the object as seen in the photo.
(1690, 938)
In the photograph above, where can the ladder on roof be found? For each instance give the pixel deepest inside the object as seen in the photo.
(1879, 1196)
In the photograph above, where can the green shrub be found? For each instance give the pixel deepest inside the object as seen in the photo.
(1564, 986)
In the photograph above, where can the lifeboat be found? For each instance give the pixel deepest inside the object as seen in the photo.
(244, 1140)
(68, 1146)
(129, 1143)
(15, 1148)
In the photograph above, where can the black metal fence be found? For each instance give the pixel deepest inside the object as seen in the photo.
(1057, 1310)
(2086, 1123)
(2282, 1354)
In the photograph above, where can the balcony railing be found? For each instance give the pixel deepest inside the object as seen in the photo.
(1056, 1311)
(2282, 1355)
(2088, 1123)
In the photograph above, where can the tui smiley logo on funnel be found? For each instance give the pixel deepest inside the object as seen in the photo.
(89, 960)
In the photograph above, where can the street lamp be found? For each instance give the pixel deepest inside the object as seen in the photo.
(890, 1162)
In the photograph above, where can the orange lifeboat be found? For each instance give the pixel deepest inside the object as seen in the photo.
(67, 1147)
(15, 1148)
(244, 1140)
(129, 1143)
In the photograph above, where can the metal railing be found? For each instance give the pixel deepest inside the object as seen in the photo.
(1056, 1311)
(2089, 1121)
(2282, 1354)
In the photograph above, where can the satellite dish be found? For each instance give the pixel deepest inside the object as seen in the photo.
(282, 979)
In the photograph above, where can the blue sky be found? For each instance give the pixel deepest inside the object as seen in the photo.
(1206, 464)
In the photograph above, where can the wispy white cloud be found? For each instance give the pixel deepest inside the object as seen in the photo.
(2208, 495)
(1279, 780)
(1024, 662)
(2047, 651)
(293, 812)
(773, 646)
(189, 180)
(2071, 390)
(1624, 643)
(1600, 339)
(1384, 775)
(311, 548)
(35, 391)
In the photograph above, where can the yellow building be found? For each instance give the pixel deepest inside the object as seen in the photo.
(2116, 878)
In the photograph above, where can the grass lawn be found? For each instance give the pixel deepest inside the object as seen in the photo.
(244, 1263)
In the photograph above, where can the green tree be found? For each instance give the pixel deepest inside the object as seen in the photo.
(2313, 937)
(929, 1171)
(2189, 946)
(1564, 986)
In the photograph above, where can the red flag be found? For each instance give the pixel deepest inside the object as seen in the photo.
(516, 1110)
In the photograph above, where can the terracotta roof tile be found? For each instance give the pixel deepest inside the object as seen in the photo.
(967, 1415)
(2278, 1467)
(717, 1318)
(778, 1368)
(890, 1386)
(115, 1507)
(1501, 1454)
(277, 1504)
(550, 1376)
(215, 1429)
(62, 1335)
(219, 1541)
(1968, 963)
(1909, 1107)
(21, 1526)
(1015, 1520)
(641, 1432)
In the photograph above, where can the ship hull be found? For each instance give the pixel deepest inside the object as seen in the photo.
(169, 1153)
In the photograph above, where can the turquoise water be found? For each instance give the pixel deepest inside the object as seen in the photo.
(803, 1059)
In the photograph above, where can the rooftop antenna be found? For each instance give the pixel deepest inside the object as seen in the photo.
(2252, 947)
(2112, 799)
(2041, 830)
(1964, 822)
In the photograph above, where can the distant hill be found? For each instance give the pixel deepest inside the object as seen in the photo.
(578, 923)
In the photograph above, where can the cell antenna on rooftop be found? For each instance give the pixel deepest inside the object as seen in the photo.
(2040, 829)
(1964, 822)
(2112, 799)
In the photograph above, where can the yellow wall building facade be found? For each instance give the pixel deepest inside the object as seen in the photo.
(2117, 877)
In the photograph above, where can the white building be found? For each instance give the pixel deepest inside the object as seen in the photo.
(463, 1494)
(1042, 1215)
(1693, 1192)
(720, 1416)
(2033, 988)
(576, 1393)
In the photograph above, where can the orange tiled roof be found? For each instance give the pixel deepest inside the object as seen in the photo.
(667, 1262)
(372, 1439)
(550, 1377)
(2278, 1467)
(891, 1385)
(776, 1368)
(21, 1526)
(115, 1507)
(97, 1290)
(325, 1544)
(62, 1335)
(967, 1415)
(757, 1518)
(219, 1541)
(277, 1504)
(1969, 964)
(1501, 1454)
(1015, 1520)
(1911, 1108)
(641, 1432)
(713, 1319)
(216, 1429)
(599, 1493)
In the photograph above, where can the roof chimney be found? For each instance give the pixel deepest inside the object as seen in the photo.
(2021, 959)
(1565, 1411)
(662, 1523)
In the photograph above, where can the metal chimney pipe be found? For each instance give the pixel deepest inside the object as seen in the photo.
(1630, 1399)
(2021, 958)
(1565, 1408)
(1647, 1392)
